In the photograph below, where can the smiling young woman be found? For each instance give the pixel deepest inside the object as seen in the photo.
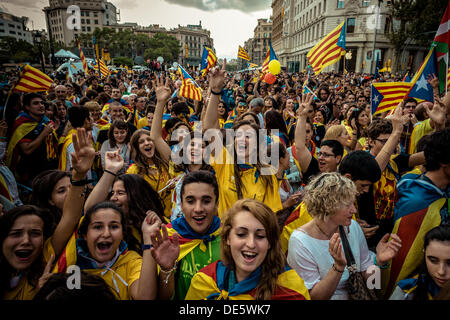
(253, 266)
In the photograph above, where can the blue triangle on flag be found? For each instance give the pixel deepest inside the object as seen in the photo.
(421, 88)
(376, 99)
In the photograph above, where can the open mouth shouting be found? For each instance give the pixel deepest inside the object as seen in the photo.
(249, 256)
(23, 255)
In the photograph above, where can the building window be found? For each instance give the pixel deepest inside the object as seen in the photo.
(324, 5)
(12, 32)
(340, 4)
(365, 3)
(82, 13)
(95, 21)
(95, 14)
(89, 29)
(87, 13)
(351, 25)
(82, 21)
(88, 21)
(83, 28)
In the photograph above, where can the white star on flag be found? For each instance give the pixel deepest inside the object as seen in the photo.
(422, 83)
(375, 99)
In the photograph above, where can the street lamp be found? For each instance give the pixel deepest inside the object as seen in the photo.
(38, 41)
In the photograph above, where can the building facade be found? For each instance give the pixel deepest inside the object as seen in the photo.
(192, 39)
(306, 22)
(277, 24)
(257, 46)
(15, 27)
(93, 14)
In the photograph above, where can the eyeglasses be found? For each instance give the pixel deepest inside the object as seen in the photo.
(325, 155)
(383, 141)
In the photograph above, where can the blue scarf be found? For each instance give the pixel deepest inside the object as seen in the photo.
(223, 282)
(40, 126)
(84, 261)
(184, 229)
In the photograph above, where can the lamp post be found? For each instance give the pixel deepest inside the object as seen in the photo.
(38, 41)
(375, 35)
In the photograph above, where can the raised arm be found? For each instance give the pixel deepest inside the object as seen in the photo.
(82, 160)
(303, 155)
(216, 83)
(388, 149)
(113, 164)
(162, 95)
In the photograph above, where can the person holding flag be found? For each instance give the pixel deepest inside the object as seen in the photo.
(33, 145)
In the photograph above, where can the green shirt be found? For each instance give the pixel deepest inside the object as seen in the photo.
(191, 264)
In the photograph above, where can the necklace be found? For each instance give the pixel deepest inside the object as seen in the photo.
(326, 235)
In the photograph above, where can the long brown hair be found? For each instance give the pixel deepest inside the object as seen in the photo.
(237, 173)
(275, 261)
(141, 160)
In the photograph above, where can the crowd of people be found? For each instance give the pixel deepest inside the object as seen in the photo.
(241, 195)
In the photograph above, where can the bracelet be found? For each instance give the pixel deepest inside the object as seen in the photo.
(146, 247)
(80, 183)
(168, 272)
(336, 269)
(216, 93)
(110, 172)
(381, 267)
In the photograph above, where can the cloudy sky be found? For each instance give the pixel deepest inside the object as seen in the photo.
(231, 22)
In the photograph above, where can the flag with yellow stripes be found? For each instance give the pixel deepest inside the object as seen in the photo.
(103, 68)
(328, 50)
(189, 89)
(33, 80)
(243, 54)
(83, 59)
(387, 95)
(209, 60)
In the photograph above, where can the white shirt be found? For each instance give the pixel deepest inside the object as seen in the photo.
(312, 261)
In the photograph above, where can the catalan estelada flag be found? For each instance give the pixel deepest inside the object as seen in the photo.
(23, 125)
(252, 65)
(328, 50)
(387, 95)
(83, 59)
(270, 55)
(211, 283)
(421, 89)
(243, 54)
(209, 60)
(421, 207)
(189, 89)
(33, 80)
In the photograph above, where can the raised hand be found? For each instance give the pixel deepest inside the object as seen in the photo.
(396, 119)
(150, 225)
(433, 81)
(304, 107)
(336, 252)
(387, 250)
(113, 161)
(438, 114)
(84, 155)
(217, 77)
(165, 251)
(162, 90)
(46, 274)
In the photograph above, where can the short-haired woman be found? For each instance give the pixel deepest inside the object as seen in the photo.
(315, 249)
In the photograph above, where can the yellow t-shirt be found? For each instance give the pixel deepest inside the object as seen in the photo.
(24, 289)
(158, 183)
(143, 122)
(123, 273)
(258, 190)
(420, 130)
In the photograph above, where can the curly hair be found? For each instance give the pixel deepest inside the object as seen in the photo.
(327, 192)
(379, 127)
(274, 262)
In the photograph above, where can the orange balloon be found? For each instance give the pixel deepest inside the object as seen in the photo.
(270, 78)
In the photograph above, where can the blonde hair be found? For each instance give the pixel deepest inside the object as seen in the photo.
(92, 106)
(334, 132)
(274, 262)
(327, 193)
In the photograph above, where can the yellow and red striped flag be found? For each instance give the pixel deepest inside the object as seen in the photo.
(33, 80)
(387, 95)
(209, 60)
(328, 50)
(243, 54)
(83, 59)
(270, 55)
(103, 68)
(189, 89)
(448, 78)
